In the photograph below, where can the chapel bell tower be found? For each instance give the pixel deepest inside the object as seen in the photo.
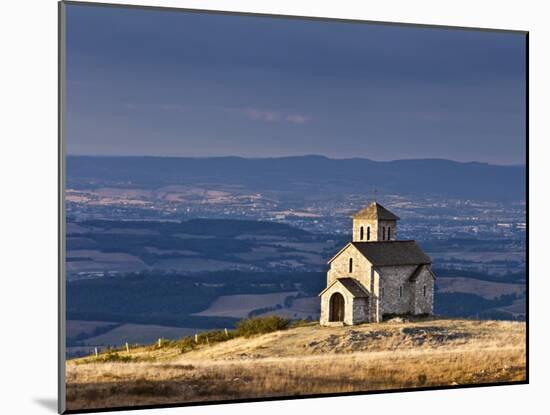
(374, 224)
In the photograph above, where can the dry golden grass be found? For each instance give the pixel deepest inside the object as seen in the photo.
(308, 360)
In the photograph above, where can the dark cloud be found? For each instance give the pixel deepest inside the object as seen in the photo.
(158, 82)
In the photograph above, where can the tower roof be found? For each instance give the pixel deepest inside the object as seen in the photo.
(375, 211)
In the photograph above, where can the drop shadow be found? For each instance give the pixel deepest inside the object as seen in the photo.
(48, 403)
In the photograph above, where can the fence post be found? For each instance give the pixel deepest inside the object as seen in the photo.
(196, 338)
(207, 341)
(160, 341)
(226, 333)
(127, 347)
(96, 354)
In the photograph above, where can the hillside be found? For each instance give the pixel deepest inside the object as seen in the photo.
(311, 173)
(304, 360)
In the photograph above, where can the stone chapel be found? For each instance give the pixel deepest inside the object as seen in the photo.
(376, 274)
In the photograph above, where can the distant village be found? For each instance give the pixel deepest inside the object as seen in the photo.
(425, 218)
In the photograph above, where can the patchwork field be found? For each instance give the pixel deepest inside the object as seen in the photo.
(240, 305)
(76, 328)
(301, 308)
(481, 256)
(138, 334)
(84, 336)
(197, 264)
(310, 247)
(194, 246)
(518, 307)
(305, 360)
(93, 260)
(485, 289)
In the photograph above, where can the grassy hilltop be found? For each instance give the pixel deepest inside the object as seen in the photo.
(301, 360)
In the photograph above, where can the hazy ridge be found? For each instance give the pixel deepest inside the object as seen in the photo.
(308, 173)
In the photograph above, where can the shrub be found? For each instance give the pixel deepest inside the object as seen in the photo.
(115, 357)
(263, 310)
(216, 336)
(303, 322)
(188, 343)
(261, 325)
(109, 356)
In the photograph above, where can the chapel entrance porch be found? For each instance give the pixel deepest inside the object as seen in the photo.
(336, 308)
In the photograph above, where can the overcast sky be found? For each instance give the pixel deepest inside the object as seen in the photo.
(148, 82)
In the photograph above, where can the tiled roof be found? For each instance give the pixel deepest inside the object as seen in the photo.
(350, 284)
(354, 287)
(387, 253)
(375, 211)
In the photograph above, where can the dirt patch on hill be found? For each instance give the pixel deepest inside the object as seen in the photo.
(355, 340)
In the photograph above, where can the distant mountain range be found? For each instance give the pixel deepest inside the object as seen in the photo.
(317, 174)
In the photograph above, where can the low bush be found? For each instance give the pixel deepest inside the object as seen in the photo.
(110, 356)
(245, 328)
(303, 322)
(188, 343)
(261, 325)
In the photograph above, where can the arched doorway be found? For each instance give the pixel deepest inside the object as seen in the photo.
(336, 309)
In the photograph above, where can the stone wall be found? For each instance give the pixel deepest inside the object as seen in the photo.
(393, 282)
(412, 300)
(355, 309)
(375, 230)
(384, 225)
(339, 267)
(361, 310)
(375, 312)
(365, 223)
(423, 299)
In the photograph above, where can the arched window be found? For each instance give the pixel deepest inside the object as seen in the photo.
(383, 232)
(424, 291)
(389, 233)
(368, 233)
(361, 233)
(351, 265)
